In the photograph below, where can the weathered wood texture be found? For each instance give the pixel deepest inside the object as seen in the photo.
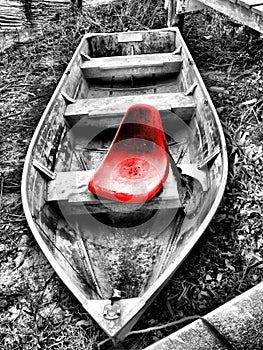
(16, 14)
(22, 20)
(124, 43)
(137, 65)
(72, 189)
(258, 10)
(169, 234)
(239, 320)
(249, 3)
(246, 12)
(110, 110)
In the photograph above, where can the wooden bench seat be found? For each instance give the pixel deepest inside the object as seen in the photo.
(70, 191)
(98, 111)
(125, 66)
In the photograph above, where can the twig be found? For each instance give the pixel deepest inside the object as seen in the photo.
(150, 329)
(4, 117)
(146, 87)
(243, 277)
(229, 70)
(19, 217)
(117, 346)
(169, 307)
(103, 342)
(1, 190)
(40, 298)
(256, 264)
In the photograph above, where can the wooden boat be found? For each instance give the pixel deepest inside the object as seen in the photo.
(116, 256)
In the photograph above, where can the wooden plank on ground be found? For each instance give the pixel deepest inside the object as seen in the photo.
(239, 321)
(70, 190)
(115, 107)
(117, 66)
(250, 3)
(243, 15)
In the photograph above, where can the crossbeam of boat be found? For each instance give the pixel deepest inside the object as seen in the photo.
(103, 67)
(71, 189)
(99, 110)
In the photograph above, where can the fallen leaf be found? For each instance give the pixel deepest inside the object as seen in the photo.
(249, 102)
(208, 277)
(86, 323)
(207, 37)
(217, 89)
(219, 277)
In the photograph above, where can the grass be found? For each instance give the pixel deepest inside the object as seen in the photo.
(37, 311)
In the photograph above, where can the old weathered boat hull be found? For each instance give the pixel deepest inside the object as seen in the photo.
(98, 245)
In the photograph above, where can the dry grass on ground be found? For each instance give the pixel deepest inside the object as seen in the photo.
(36, 310)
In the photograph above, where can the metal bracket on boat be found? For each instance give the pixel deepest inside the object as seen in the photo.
(178, 51)
(196, 173)
(85, 57)
(44, 170)
(190, 90)
(116, 295)
(112, 311)
(127, 37)
(69, 100)
(209, 157)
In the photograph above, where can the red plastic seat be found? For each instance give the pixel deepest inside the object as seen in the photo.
(137, 163)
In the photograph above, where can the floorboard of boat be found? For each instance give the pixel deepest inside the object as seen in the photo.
(129, 258)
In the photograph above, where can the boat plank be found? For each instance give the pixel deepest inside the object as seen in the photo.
(154, 42)
(71, 189)
(115, 107)
(258, 10)
(131, 65)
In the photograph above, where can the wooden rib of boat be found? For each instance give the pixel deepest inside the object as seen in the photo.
(115, 257)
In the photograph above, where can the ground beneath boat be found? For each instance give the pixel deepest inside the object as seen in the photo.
(37, 311)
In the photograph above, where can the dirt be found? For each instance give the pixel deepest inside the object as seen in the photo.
(36, 310)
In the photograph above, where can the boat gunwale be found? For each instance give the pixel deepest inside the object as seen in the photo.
(32, 225)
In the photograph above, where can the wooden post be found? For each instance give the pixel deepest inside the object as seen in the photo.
(174, 18)
(27, 7)
(79, 3)
(178, 21)
(177, 9)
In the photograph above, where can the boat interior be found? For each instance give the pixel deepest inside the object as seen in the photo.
(100, 244)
